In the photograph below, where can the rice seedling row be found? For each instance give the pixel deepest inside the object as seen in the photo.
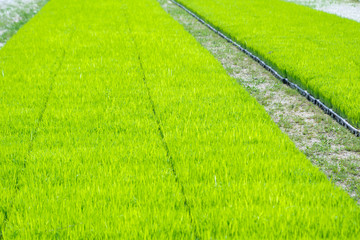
(286, 81)
(144, 135)
(313, 49)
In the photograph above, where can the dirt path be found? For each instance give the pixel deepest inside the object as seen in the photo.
(15, 13)
(329, 146)
(344, 8)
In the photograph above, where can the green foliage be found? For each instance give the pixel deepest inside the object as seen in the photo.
(82, 156)
(318, 51)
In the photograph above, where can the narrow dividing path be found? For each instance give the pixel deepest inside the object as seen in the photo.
(329, 146)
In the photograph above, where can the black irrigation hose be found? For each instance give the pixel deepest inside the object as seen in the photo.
(286, 81)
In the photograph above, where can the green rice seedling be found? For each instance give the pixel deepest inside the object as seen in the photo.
(317, 50)
(97, 167)
(138, 132)
(241, 175)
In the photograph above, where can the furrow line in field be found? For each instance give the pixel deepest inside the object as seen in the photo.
(160, 131)
(46, 101)
(53, 76)
(39, 120)
(168, 154)
(286, 81)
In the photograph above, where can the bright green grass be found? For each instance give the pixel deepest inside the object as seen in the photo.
(319, 51)
(91, 163)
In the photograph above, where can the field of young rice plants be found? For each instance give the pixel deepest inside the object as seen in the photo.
(316, 50)
(116, 123)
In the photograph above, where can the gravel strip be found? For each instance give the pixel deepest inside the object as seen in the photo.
(344, 8)
(14, 13)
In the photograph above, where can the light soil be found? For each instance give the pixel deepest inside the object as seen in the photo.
(15, 13)
(329, 146)
(344, 8)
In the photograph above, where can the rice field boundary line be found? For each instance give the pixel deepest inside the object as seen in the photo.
(52, 78)
(47, 98)
(41, 115)
(160, 131)
(342, 121)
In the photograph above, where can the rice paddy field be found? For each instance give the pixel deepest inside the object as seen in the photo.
(116, 123)
(317, 50)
